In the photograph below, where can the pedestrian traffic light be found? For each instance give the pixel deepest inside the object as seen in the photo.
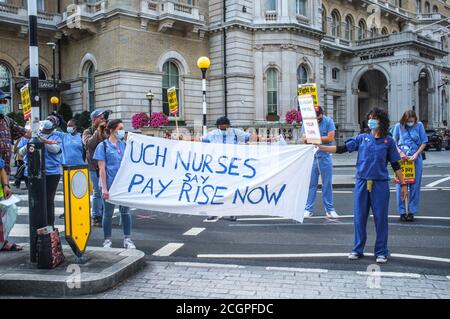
(77, 207)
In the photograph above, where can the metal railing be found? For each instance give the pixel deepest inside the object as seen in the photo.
(171, 7)
(8, 8)
(271, 15)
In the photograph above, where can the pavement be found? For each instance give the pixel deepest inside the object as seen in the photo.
(271, 257)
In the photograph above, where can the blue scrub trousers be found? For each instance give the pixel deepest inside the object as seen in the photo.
(378, 200)
(97, 200)
(107, 220)
(325, 163)
(414, 191)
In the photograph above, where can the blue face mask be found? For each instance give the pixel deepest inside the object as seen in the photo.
(372, 124)
(70, 130)
(120, 134)
(2, 108)
(48, 125)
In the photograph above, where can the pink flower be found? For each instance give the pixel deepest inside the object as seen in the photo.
(139, 120)
(293, 116)
(159, 119)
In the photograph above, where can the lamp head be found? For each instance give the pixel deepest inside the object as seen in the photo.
(52, 45)
(54, 100)
(149, 95)
(203, 63)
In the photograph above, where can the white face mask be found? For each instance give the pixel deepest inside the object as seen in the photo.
(410, 124)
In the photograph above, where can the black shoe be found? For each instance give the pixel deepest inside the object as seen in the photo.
(97, 222)
(410, 218)
(403, 218)
(17, 183)
(232, 218)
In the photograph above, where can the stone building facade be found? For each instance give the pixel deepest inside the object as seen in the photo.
(362, 53)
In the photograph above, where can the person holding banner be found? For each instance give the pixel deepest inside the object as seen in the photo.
(375, 150)
(411, 139)
(323, 165)
(108, 155)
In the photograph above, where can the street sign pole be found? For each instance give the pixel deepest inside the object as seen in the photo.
(37, 202)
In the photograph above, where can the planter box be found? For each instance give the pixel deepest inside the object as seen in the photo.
(273, 117)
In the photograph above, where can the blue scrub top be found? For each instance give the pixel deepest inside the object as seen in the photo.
(24, 141)
(325, 126)
(112, 158)
(2, 164)
(72, 147)
(53, 161)
(409, 139)
(230, 136)
(373, 156)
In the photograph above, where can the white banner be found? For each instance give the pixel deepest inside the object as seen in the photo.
(213, 179)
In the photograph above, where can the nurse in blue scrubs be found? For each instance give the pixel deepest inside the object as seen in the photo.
(411, 139)
(72, 145)
(375, 150)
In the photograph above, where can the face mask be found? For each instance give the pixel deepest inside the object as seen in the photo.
(70, 130)
(120, 134)
(372, 124)
(48, 125)
(2, 108)
(410, 124)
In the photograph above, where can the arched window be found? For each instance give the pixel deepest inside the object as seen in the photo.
(418, 6)
(435, 9)
(90, 70)
(324, 20)
(42, 75)
(171, 78)
(335, 74)
(362, 29)
(349, 26)
(301, 7)
(271, 5)
(384, 31)
(302, 75)
(6, 84)
(335, 24)
(373, 32)
(427, 7)
(272, 91)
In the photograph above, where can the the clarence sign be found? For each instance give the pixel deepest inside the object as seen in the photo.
(377, 55)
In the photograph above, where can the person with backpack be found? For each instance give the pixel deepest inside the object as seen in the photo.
(93, 136)
(411, 140)
(109, 154)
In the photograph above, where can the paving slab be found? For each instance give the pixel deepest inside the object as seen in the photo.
(103, 269)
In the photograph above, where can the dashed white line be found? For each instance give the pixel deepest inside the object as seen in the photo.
(271, 255)
(168, 249)
(23, 230)
(438, 259)
(388, 274)
(290, 269)
(438, 181)
(194, 231)
(208, 265)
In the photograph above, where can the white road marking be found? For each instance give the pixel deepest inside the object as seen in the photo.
(168, 249)
(263, 218)
(194, 231)
(208, 265)
(316, 255)
(23, 230)
(388, 274)
(24, 211)
(307, 270)
(438, 181)
(58, 198)
(448, 277)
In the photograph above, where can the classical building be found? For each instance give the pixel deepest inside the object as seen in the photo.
(361, 53)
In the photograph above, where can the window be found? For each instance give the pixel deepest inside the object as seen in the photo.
(427, 7)
(171, 78)
(349, 26)
(335, 24)
(272, 91)
(335, 74)
(91, 87)
(40, 6)
(418, 6)
(362, 29)
(373, 32)
(302, 75)
(6, 84)
(301, 7)
(384, 31)
(435, 9)
(271, 5)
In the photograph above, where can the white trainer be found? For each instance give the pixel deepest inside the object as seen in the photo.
(332, 214)
(308, 214)
(128, 244)
(107, 243)
(381, 259)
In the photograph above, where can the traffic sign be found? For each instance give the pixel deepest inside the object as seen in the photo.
(26, 102)
(77, 207)
(173, 100)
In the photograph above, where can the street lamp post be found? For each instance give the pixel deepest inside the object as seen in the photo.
(52, 45)
(150, 97)
(203, 64)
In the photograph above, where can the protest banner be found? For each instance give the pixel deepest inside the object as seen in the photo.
(310, 124)
(26, 102)
(309, 89)
(409, 172)
(213, 179)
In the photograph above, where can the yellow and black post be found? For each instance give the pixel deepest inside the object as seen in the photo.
(77, 208)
